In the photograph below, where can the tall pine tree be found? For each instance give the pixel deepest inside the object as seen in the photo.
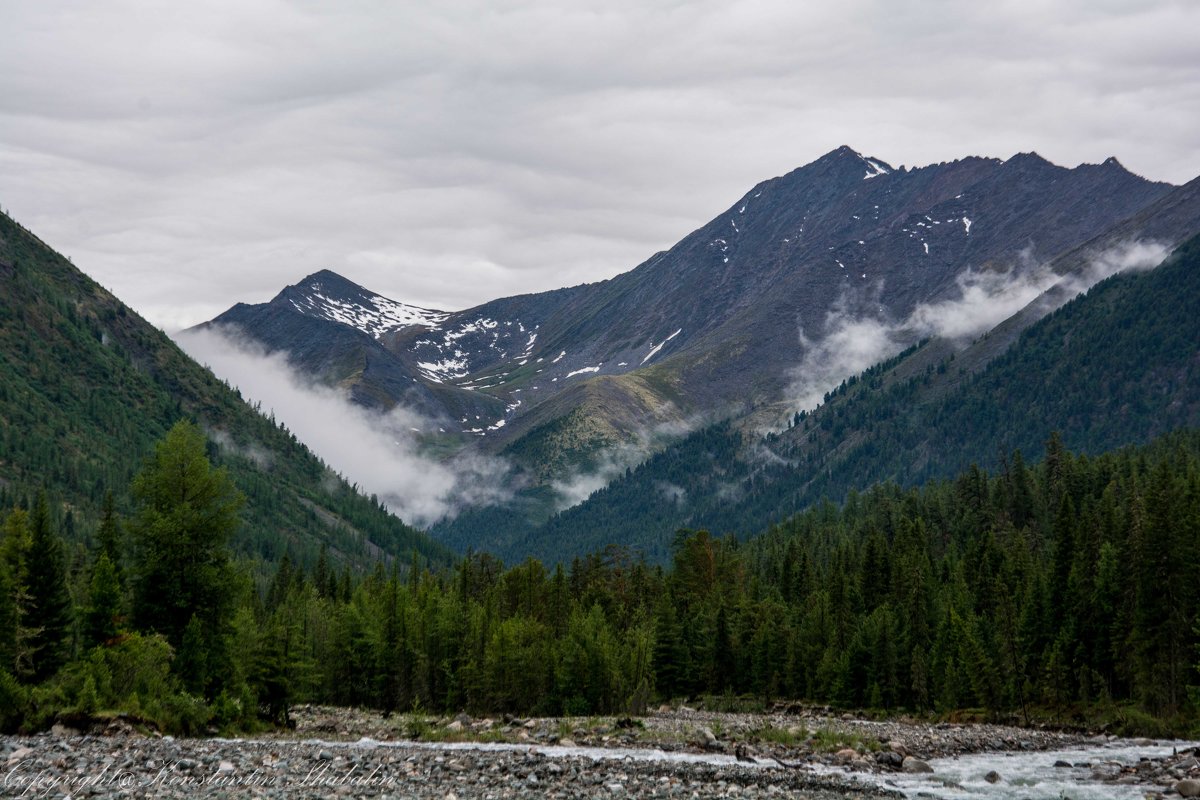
(48, 612)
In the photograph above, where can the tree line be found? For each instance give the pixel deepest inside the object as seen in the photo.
(1067, 589)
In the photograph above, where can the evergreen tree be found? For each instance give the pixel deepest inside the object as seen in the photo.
(9, 619)
(108, 535)
(187, 514)
(48, 613)
(100, 622)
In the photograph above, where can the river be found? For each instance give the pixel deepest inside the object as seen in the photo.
(1024, 775)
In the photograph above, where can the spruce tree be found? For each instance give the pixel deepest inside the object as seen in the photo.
(181, 568)
(48, 613)
(104, 603)
(108, 535)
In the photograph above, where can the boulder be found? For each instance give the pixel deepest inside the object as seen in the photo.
(1189, 787)
(845, 756)
(915, 766)
(992, 777)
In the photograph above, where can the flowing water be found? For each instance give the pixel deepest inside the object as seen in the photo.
(1033, 774)
(1023, 775)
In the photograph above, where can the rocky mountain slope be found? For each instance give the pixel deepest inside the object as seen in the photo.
(719, 325)
(1119, 365)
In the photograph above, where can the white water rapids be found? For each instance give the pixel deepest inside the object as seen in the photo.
(1033, 774)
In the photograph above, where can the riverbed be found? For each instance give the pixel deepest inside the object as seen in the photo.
(675, 752)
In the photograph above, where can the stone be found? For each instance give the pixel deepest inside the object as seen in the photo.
(992, 777)
(845, 755)
(455, 726)
(567, 743)
(1189, 787)
(325, 755)
(1060, 764)
(889, 759)
(915, 766)
(225, 767)
(19, 755)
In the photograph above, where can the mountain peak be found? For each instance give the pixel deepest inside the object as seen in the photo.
(848, 159)
(329, 281)
(1030, 159)
(327, 295)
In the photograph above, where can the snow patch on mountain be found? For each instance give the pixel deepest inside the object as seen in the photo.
(374, 315)
(654, 350)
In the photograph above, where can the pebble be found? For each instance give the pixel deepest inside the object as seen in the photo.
(361, 754)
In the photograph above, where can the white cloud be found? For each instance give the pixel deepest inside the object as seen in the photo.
(448, 153)
(379, 452)
(849, 344)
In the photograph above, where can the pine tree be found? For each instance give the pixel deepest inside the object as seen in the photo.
(9, 618)
(14, 550)
(188, 512)
(108, 535)
(104, 603)
(49, 609)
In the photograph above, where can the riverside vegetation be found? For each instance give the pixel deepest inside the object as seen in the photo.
(1064, 590)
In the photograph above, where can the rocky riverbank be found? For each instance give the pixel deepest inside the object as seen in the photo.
(335, 753)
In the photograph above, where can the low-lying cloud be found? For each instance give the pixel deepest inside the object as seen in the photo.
(850, 344)
(378, 452)
(612, 462)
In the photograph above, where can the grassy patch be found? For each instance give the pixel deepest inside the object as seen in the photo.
(827, 740)
(782, 736)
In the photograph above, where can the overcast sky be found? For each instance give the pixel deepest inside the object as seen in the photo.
(191, 155)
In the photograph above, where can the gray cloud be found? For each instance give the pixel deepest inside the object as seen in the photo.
(379, 452)
(447, 153)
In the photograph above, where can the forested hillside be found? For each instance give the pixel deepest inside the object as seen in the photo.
(1116, 366)
(87, 387)
(1064, 591)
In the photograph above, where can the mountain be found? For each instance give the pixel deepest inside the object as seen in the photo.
(1119, 365)
(87, 387)
(715, 326)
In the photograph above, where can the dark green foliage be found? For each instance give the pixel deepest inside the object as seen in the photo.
(922, 599)
(1117, 366)
(108, 534)
(103, 616)
(182, 576)
(87, 387)
(47, 612)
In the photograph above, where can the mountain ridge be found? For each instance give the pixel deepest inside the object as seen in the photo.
(721, 320)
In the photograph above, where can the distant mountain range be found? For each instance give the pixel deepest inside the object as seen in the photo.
(800, 284)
